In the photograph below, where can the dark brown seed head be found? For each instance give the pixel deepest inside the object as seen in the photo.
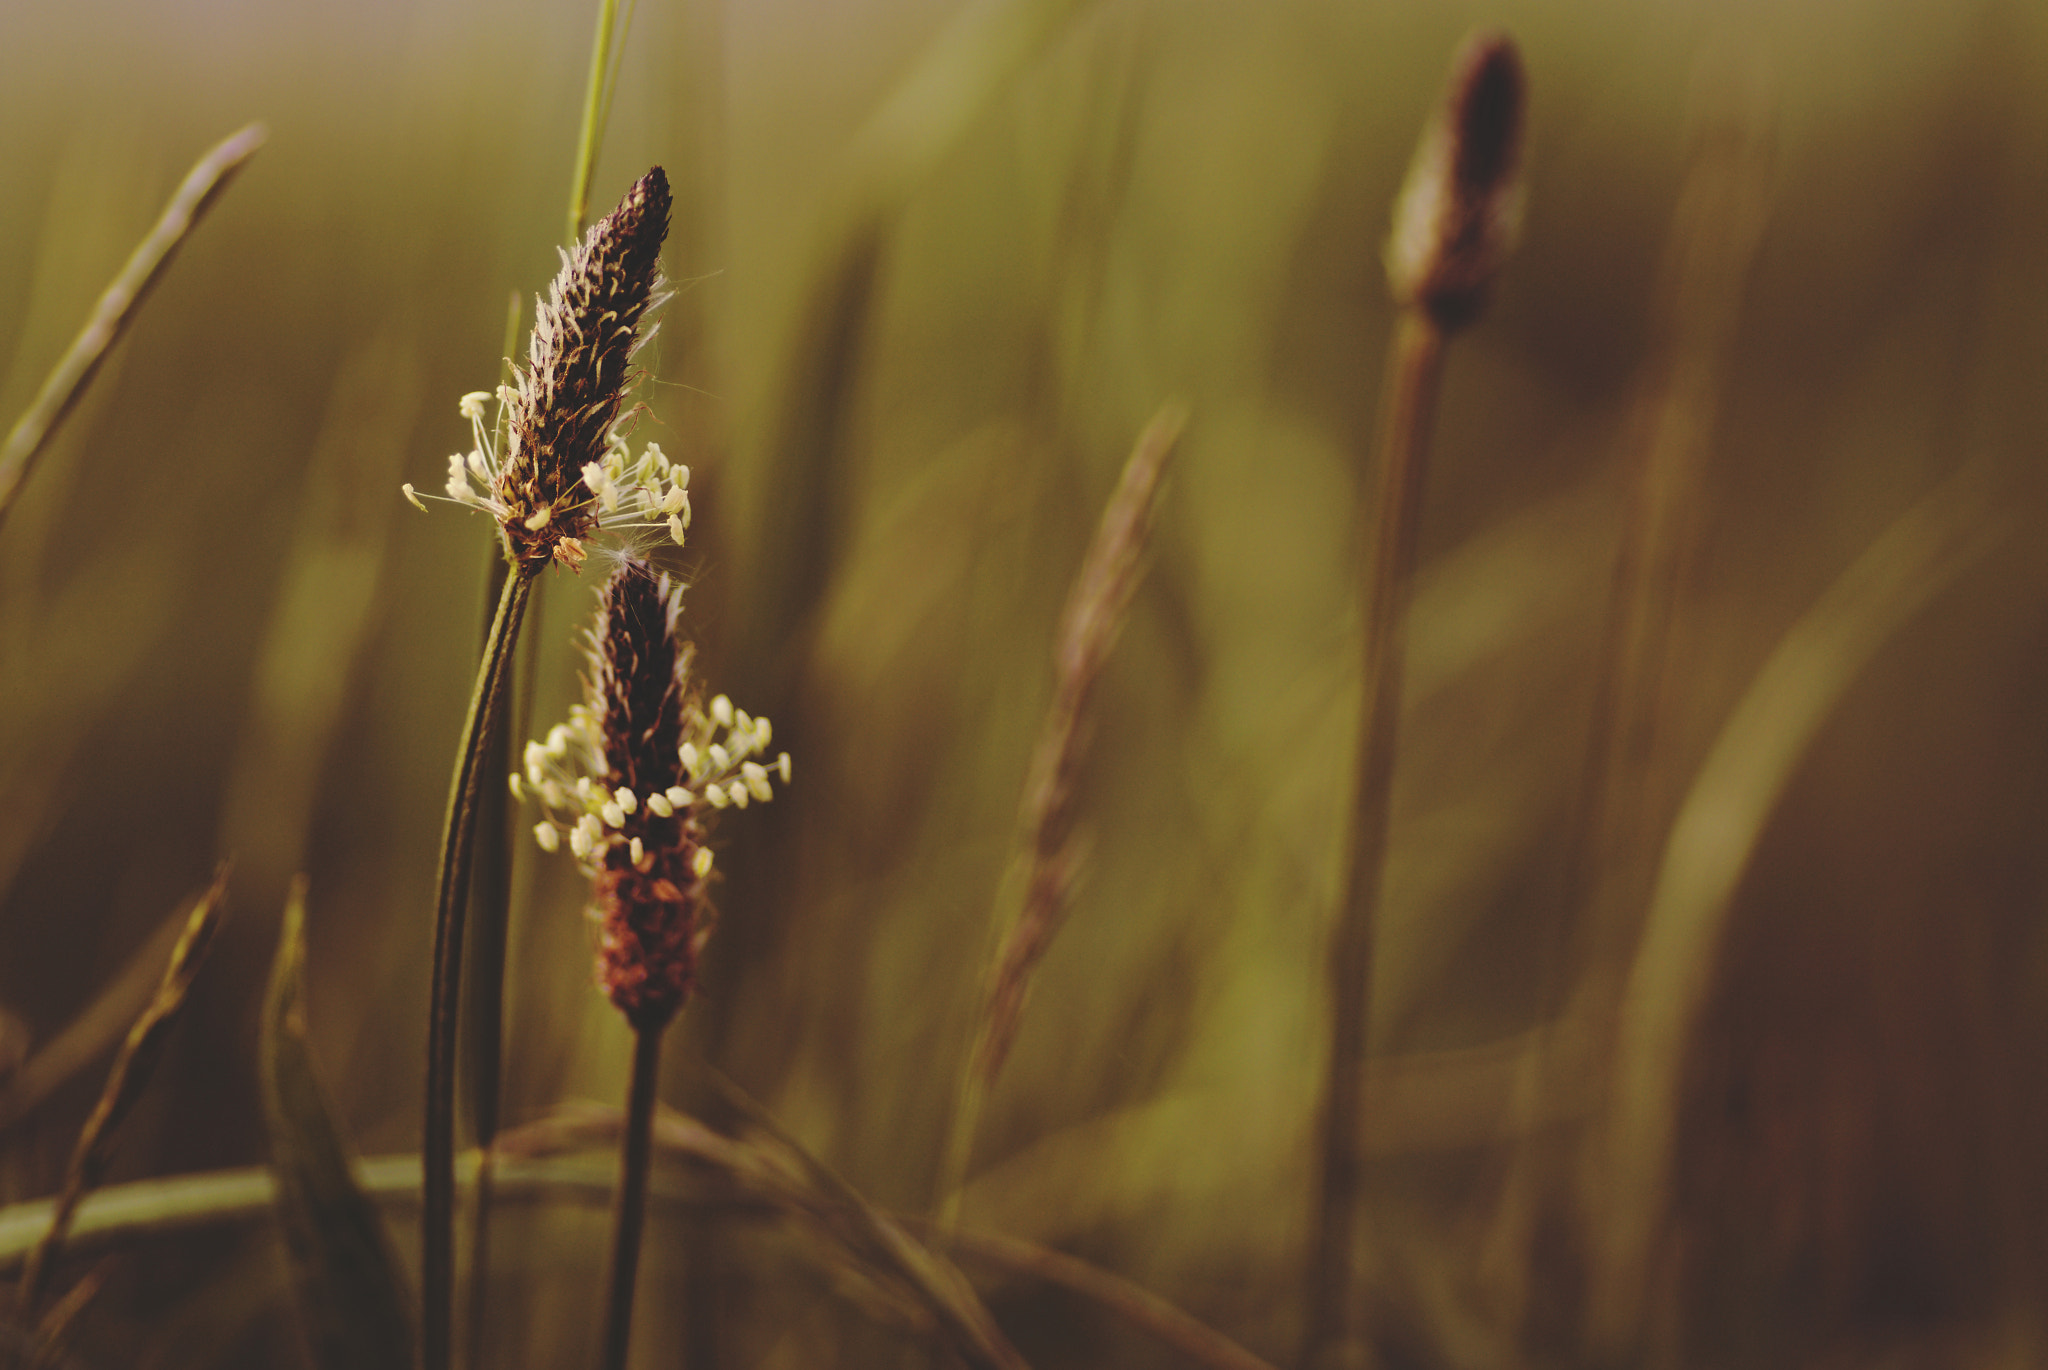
(1460, 210)
(652, 895)
(569, 393)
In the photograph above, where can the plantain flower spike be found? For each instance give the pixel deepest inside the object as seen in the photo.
(554, 467)
(631, 783)
(1460, 210)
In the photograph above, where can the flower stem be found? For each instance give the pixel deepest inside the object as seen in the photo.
(629, 1215)
(1414, 366)
(437, 1217)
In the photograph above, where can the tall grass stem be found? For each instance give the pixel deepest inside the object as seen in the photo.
(1392, 513)
(437, 1217)
(629, 1212)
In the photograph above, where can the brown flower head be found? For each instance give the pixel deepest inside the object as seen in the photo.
(568, 396)
(1460, 210)
(564, 470)
(632, 780)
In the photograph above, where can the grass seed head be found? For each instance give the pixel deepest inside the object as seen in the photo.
(1460, 210)
(568, 395)
(631, 782)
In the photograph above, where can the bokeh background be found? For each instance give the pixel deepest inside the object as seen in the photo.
(936, 265)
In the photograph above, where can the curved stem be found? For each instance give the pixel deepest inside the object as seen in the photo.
(629, 1213)
(117, 306)
(437, 1217)
(1336, 1335)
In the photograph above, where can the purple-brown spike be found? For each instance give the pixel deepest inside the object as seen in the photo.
(632, 781)
(568, 395)
(1460, 210)
(651, 899)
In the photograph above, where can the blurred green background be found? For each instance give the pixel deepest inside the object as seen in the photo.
(1797, 245)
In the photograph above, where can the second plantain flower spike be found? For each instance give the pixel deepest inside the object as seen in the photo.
(631, 782)
(561, 469)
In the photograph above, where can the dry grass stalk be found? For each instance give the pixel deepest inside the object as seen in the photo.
(116, 308)
(1095, 611)
(753, 1169)
(1454, 224)
(96, 1028)
(138, 1057)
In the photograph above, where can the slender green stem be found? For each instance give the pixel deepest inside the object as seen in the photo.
(596, 100)
(117, 306)
(629, 1212)
(1336, 1332)
(483, 993)
(437, 1218)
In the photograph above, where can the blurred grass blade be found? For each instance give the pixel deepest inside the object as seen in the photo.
(927, 114)
(877, 1241)
(125, 1082)
(351, 1303)
(1709, 849)
(94, 1030)
(116, 308)
(54, 1330)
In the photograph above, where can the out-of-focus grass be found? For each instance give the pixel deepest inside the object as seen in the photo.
(212, 638)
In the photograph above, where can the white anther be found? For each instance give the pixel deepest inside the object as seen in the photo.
(721, 711)
(701, 862)
(549, 837)
(625, 799)
(658, 805)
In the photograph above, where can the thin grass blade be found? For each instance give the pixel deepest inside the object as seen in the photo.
(352, 1304)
